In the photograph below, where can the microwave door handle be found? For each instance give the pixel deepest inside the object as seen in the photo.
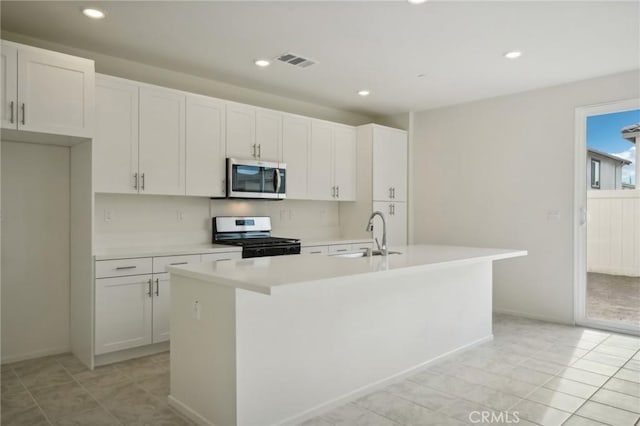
(277, 180)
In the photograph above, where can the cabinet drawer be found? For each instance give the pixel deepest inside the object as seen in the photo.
(123, 267)
(216, 257)
(339, 248)
(362, 247)
(160, 263)
(315, 250)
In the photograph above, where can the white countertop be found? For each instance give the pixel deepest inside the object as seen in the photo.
(264, 274)
(133, 252)
(314, 243)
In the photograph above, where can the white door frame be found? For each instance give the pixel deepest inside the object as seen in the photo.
(580, 216)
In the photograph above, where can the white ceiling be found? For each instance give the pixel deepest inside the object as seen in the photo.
(380, 46)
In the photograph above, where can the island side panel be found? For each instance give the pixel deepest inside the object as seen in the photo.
(203, 358)
(309, 346)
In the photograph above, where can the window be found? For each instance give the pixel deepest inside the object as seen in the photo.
(595, 173)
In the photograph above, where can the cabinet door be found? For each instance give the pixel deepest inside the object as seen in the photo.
(389, 164)
(9, 88)
(123, 313)
(161, 308)
(55, 93)
(269, 135)
(241, 131)
(162, 141)
(399, 159)
(115, 144)
(320, 168)
(205, 147)
(396, 217)
(344, 163)
(296, 137)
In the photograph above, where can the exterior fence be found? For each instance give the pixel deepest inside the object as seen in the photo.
(613, 232)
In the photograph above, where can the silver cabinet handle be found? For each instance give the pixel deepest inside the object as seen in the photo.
(390, 209)
(142, 180)
(394, 192)
(179, 263)
(11, 105)
(157, 286)
(315, 252)
(150, 289)
(390, 192)
(224, 187)
(341, 249)
(337, 191)
(333, 191)
(220, 260)
(120, 268)
(135, 180)
(259, 150)
(254, 150)
(23, 115)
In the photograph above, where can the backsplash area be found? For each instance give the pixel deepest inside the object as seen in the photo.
(150, 220)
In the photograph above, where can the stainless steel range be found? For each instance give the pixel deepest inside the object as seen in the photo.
(253, 234)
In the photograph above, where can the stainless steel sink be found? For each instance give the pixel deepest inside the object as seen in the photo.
(364, 254)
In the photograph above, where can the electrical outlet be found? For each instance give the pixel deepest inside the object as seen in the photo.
(108, 215)
(196, 309)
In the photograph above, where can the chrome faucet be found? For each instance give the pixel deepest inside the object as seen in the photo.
(383, 248)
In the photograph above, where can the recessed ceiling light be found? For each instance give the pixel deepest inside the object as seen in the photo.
(416, 1)
(513, 54)
(364, 93)
(93, 13)
(262, 63)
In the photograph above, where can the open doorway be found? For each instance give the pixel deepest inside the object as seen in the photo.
(608, 226)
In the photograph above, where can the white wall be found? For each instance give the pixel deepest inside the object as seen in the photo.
(493, 172)
(124, 68)
(35, 250)
(148, 220)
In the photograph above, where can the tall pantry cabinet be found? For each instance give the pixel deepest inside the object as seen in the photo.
(382, 184)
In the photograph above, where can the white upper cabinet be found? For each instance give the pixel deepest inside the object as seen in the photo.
(296, 138)
(50, 92)
(320, 168)
(268, 135)
(241, 131)
(162, 141)
(344, 163)
(205, 166)
(332, 167)
(389, 164)
(9, 89)
(115, 144)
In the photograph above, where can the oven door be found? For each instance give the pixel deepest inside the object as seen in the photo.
(256, 179)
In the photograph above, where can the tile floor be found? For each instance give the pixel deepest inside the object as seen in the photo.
(613, 298)
(59, 390)
(547, 373)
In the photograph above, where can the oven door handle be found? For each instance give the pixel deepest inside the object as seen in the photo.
(278, 180)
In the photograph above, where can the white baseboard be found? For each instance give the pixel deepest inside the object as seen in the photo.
(188, 412)
(351, 396)
(36, 354)
(534, 316)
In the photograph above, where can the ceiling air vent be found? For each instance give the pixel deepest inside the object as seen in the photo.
(296, 60)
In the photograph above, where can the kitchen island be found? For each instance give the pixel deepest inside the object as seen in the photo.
(277, 340)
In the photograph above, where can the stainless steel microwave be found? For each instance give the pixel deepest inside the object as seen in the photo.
(256, 179)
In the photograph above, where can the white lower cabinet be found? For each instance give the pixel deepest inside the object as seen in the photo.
(123, 313)
(396, 217)
(133, 299)
(161, 308)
